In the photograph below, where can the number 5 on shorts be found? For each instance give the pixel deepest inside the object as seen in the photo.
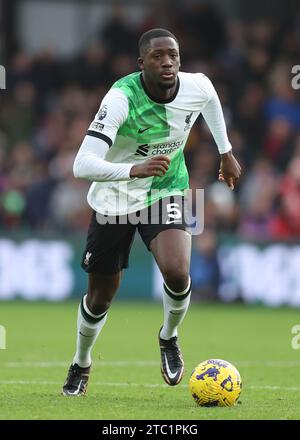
(174, 213)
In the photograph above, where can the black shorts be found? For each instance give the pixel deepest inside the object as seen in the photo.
(109, 239)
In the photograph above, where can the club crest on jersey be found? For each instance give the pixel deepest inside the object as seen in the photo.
(102, 112)
(188, 121)
(87, 258)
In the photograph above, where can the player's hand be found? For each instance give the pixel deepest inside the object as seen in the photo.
(230, 170)
(155, 166)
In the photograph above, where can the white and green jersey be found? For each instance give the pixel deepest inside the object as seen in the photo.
(137, 126)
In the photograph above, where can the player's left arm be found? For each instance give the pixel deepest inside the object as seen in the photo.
(230, 169)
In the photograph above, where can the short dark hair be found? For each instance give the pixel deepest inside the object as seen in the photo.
(145, 39)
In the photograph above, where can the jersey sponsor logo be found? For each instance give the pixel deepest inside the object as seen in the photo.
(97, 126)
(102, 112)
(141, 130)
(169, 147)
(188, 121)
(163, 151)
(142, 150)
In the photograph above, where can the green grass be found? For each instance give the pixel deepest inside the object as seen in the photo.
(126, 382)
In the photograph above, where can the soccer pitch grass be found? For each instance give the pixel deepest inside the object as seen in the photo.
(126, 383)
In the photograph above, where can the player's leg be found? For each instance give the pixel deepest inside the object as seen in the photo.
(106, 254)
(91, 317)
(166, 237)
(172, 249)
(92, 314)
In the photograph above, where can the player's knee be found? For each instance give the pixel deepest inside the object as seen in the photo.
(99, 300)
(98, 305)
(101, 291)
(176, 277)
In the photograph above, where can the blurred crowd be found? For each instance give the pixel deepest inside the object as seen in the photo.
(50, 102)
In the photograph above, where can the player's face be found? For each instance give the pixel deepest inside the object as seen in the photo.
(160, 63)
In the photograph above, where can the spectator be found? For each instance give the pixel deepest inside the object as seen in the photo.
(257, 201)
(286, 224)
(204, 267)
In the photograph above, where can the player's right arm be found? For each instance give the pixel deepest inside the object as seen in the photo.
(155, 166)
(90, 160)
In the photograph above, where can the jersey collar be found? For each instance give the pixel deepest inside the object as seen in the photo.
(160, 101)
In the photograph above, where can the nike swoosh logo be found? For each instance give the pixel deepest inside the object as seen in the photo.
(141, 130)
(170, 374)
(77, 389)
(86, 336)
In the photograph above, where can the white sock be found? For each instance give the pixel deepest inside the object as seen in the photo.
(88, 329)
(176, 305)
